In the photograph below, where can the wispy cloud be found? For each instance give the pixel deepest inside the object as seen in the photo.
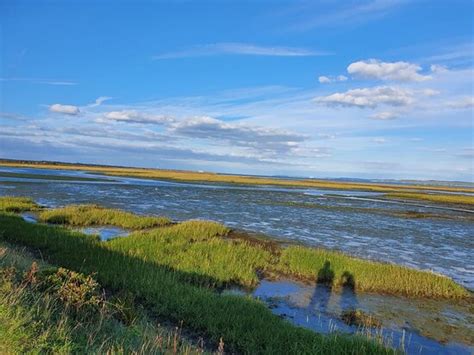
(240, 49)
(314, 15)
(65, 109)
(41, 81)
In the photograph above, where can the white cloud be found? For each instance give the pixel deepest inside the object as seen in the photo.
(396, 71)
(384, 115)
(65, 109)
(369, 97)
(241, 49)
(380, 140)
(466, 102)
(331, 79)
(436, 68)
(99, 101)
(324, 79)
(133, 116)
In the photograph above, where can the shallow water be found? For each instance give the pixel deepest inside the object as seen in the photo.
(104, 232)
(417, 326)
(355, 222)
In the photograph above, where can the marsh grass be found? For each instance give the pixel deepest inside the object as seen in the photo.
(17, 204)
(209, 254)
(367, 276)
(243, 324)
(437, 198)
(44, 309)
(191, 176)
(200, 249)
(90, 215)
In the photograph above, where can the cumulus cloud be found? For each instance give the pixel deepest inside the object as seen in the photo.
(384, 115)
(395, 71)
(64, 109)
(133, 116)
(369, 97)
(331, 79)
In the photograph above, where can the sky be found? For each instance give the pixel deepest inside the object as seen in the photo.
(362, 89)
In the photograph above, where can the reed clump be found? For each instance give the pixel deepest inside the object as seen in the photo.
(90, 215)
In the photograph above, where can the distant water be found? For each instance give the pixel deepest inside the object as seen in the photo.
(354, 222)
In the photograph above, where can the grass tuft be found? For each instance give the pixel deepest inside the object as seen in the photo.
(89, 215)
(17, 204)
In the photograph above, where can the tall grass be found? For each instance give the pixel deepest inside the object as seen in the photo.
(244, 324)
(87, 215)
(48, 310)
(17, 204)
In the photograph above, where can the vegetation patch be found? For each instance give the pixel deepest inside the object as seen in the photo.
(360, 319)
(239, 323)
(44, 309)
(47, 177)
(437, 198)
(17, 204)
(339, 270)
(198, 249)
(90, 215)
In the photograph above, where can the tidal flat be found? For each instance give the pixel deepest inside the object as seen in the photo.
(302, 280)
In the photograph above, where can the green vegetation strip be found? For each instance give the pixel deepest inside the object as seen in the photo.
(437, 198)
(89, 215)
(246, 325)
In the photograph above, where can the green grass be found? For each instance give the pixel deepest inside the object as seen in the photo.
(17, 204)
(44, 309)
(244, 324)
(437, 198)
(89, 215)
(338, 269)
(201, 250)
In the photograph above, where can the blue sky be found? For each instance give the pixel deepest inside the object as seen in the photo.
(379, 89)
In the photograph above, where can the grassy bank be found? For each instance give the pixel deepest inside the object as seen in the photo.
(437, 198)
(244, 324)
(204, 254)
(90, 215)
(46, 177)
(190, 176)
(45, 309)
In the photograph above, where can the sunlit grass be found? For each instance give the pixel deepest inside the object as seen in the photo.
(17, 204)
(244, 324)
(197, 248)
(90, 215)
(438, 198)
(338, 270)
